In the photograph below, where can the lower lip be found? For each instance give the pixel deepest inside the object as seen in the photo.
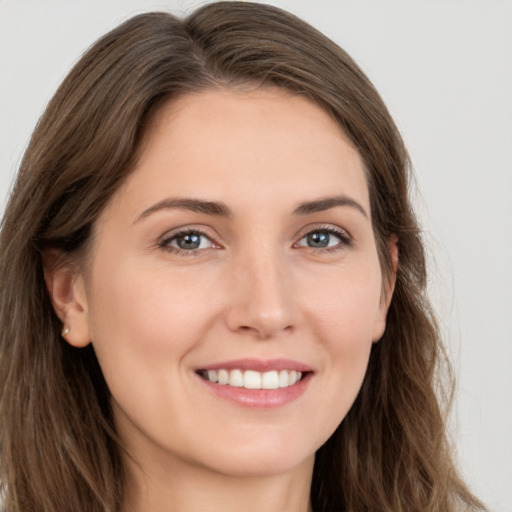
(260, 398)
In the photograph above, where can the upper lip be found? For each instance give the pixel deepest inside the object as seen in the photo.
(259, 365)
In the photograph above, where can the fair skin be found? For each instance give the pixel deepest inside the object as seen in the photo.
(242, 243)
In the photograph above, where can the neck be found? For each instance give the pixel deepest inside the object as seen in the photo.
(189, 488)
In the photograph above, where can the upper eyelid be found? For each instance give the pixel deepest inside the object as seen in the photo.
(333, 228)
(185, 229)
(188, 232)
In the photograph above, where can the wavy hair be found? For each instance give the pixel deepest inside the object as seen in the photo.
(58, 445)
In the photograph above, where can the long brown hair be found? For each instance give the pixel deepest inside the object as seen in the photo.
(59, 448)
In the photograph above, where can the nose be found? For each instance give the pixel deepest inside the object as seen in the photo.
(261, 299)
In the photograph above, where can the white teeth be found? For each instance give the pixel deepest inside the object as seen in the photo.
(251, 379)
(223, 377)
(236, 378)
(270, 380)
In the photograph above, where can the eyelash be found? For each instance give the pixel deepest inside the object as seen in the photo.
(342, 235)
(165, 243)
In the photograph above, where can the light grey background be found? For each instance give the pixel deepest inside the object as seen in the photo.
(444, 67)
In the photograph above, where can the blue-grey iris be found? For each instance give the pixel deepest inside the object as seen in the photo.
(189, 241)
(318, 239)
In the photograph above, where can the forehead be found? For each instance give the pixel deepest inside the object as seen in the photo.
(264, 145)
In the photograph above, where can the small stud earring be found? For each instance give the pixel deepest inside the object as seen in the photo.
(65, 331)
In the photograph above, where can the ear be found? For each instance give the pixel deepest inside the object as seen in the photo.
(388, 287)
(66, 288)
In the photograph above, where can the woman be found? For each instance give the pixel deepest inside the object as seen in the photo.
(213, 284)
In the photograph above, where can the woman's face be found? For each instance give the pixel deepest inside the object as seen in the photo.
(240, 250)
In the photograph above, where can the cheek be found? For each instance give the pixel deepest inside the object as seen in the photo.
(141, 326)
(345, 317)
(145, 307)
(346, 306)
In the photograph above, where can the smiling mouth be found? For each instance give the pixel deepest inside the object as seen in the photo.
(250, 379)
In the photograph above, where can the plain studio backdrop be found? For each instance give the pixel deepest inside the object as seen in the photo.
(444, 68)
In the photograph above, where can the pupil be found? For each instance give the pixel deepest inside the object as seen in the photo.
(318, 239)
(190, 241)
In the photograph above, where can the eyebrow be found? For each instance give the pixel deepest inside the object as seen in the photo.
(194, 205)
(327, 203)
(221, 210)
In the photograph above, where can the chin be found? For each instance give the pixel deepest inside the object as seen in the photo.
(264, 466)
(262, 457)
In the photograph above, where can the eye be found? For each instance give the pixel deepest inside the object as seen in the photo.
(187, 241)
(324, 239)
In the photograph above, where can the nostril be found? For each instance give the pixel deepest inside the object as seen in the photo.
(264, 333)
